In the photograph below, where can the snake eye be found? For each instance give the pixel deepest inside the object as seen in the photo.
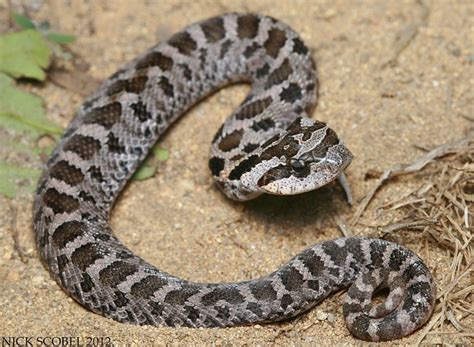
(297, 165)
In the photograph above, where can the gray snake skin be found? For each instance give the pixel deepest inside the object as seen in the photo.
(268, 145)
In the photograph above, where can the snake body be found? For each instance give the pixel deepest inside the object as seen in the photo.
(268, 145)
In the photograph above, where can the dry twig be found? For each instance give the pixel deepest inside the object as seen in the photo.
(416, 165)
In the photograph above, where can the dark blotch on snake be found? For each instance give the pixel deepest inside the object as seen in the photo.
(86, 255)
(86, 284)
(243, 167)
(263, 71)
(337, 254)
(291, 93)
(60, 202)
(87, 198)
(222, 312)
(354, 247)
(140, 111)
(377, 255)
(96, 174)
(68, 232)
(147, 286)
(414, 270)
(250, 147)
(314, 285)
(253, 108)
(213, 29)
(155, 59)
(389, 328)
(166, 87)
(225, 48)
(314, 264)
(63, 171)
(299, 47)
(230, 141)
(276, 40)
(113, 142)
(62, 261)
(186, 71)
(132, 85)
(310, 87)
(397, 258)
(291, 279)
(237, 157)
(247, 26)
(116, 272)
(250, 50)
(255, 308)
(286, 301)
(124, 254)
(216, 165)
(183, 42)
(264, 124)
(179, 297)
(106, 115)
(279, 75)
(84, 146)
(230, 295)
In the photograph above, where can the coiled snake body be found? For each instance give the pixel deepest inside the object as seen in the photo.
(268, 145)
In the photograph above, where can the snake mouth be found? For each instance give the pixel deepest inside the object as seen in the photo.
(293, 185)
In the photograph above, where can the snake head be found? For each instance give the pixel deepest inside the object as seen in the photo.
(306, 156)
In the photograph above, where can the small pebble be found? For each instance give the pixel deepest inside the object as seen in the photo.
(331, 318)
(321, 315)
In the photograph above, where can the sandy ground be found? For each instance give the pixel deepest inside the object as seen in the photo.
(394, 75)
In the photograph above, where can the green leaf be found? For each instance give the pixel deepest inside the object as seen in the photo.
(145, 171)
(23, 111)
(23, 21)
(60, 38)
(24, 54)
(151, 163)
(161, 154)
(12, 178)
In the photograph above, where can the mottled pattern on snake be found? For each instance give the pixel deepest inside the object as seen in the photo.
(268, 145)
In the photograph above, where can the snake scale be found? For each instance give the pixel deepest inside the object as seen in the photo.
(268, 145)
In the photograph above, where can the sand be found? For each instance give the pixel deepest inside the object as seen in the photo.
(395, 76)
